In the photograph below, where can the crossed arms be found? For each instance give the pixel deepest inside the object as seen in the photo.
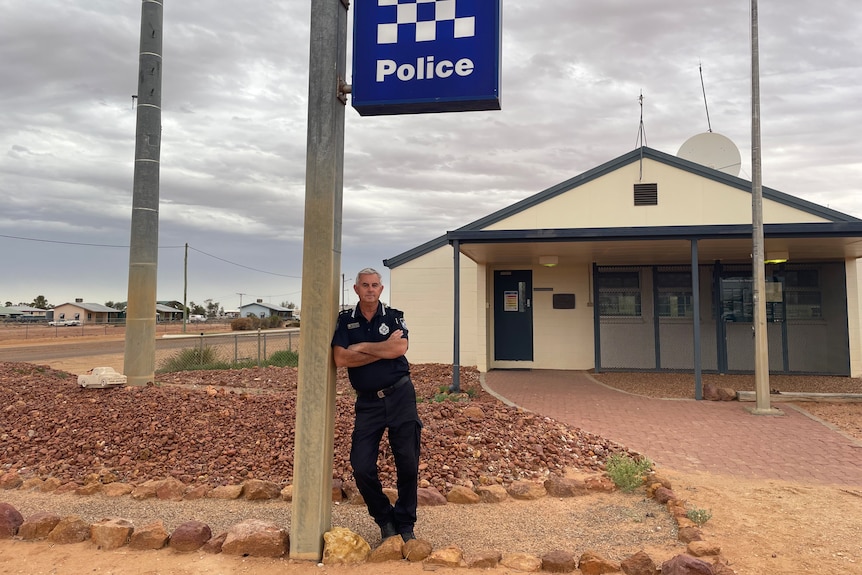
(363, 353)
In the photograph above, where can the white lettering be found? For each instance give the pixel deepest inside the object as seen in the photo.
(424, 69)
(385, 68)
(444, 69)
(464, 67)
(406, 72)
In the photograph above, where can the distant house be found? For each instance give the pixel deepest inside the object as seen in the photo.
(27, 311)
(265, 310)
(86, 312)
(168, 313)
(8, 313)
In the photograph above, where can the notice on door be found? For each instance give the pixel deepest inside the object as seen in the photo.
(510, 301)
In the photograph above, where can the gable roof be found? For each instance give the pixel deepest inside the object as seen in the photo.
(92, 307)
(268, 306)
(26, 309)
(602, 170)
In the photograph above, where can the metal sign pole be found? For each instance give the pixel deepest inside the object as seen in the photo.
(315, 404)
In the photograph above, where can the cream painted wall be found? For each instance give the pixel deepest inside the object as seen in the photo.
(683, 199)
(854, 315)
(423, 290)
(562, 338)
(70, 310)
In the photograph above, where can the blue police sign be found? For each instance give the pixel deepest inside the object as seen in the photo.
(420, 56)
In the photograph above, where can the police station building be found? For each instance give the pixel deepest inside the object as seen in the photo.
(608, 271)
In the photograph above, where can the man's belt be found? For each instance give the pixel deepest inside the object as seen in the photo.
(381, 393)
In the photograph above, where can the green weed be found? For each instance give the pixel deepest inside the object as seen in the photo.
(626, 472)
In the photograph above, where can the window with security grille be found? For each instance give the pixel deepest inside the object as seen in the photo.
(802, 294)
(674, 294)
(619, 294)
(646, 194)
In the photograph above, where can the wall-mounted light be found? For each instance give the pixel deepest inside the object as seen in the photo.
(549, 261)
(776, 257)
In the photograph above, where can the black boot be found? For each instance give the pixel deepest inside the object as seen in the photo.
(407, 535)
(388, 530)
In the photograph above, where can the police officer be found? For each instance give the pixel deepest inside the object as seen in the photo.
(370, 341)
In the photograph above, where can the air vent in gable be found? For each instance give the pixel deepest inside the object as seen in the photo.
(646, 194)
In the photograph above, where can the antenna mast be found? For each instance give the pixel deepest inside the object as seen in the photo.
(703, 88)
(641, 140)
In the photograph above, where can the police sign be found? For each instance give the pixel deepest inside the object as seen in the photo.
(419, 56)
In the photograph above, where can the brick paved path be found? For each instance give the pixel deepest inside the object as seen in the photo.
(689, 435)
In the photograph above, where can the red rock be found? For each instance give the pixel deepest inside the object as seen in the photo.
(558, 562)
(150, 536)
(10, 521)
(591, 563)
(639, 564)
(189, 536)
(38, 526)
(686, 565)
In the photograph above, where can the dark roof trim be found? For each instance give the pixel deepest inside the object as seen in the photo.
(611, 166)
(416, 252)
(733, 231)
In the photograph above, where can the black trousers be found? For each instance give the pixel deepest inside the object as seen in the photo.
(397, 414)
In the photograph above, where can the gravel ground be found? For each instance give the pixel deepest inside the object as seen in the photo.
(224, 427)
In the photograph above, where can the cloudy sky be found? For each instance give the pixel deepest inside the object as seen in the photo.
(234, 130)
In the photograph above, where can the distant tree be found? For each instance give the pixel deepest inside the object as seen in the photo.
(212, 308)
(8, 304)
(196, 309)
(40, 302)
(288, 304)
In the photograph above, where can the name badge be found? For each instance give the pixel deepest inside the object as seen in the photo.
(353, 325)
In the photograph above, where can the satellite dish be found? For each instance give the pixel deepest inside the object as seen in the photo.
(712, 150)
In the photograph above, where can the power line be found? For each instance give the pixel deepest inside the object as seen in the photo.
(75, 243)
(243, 266)
(160, 247)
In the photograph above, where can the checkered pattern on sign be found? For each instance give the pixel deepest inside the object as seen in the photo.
(410, 11)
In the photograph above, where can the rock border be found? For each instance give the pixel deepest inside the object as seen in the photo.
(258, 538)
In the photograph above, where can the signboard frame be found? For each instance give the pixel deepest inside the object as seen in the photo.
(426, 56)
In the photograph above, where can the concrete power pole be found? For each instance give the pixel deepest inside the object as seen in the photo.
(321, 263)
(761, 344)
(140, 350)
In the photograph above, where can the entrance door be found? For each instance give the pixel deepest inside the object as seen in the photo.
(513, 315)
(737, 321)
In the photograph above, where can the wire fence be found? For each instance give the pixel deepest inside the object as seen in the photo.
(41, 330)
(227, 350)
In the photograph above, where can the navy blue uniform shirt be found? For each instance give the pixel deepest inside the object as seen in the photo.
(352, 327)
